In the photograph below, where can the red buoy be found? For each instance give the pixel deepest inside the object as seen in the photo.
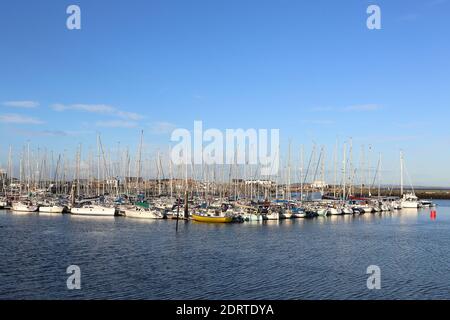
(433, 215)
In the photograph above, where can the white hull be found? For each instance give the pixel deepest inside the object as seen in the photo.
(367, 209)
(24, 208)
(410, 204)
(299, 215)
(347, 210)
(286, 215)
(93, 211)
(252, 217)
(334, 211)
(52, 209)
(141, 214)
(272, 216)
(3, 204)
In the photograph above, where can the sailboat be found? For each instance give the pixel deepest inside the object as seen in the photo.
(141, 212)
(211, 216)
(51, 207)
(409, 200)
(93, 210)
(25, 206)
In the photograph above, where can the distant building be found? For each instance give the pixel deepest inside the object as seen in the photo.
(264, 183)
(319, 184)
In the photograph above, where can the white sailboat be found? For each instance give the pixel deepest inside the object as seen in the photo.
(408, 200)
(52, 209)
(24, 207)
(140, 213)
(93, 210)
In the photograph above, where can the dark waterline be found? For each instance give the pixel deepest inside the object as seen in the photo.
(322, 258)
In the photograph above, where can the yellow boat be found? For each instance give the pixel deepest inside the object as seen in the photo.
(211, 219)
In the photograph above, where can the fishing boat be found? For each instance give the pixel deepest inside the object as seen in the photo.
(203, 217)
(24, 207)
(93, 210)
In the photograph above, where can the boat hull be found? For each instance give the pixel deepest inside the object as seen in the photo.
(208, 219)
(410, 204)
(52, 209)
(24, 208)
(137, 214)
(252, 217)
(97, 211)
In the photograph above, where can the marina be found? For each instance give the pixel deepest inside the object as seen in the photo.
(318, 258)
(111, 188)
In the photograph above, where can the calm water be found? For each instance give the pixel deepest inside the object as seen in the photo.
(322, 258)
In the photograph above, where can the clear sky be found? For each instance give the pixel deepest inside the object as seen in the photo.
(311, 68)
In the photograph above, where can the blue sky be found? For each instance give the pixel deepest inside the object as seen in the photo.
(310, 68)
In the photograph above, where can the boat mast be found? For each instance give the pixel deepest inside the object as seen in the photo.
(361, 168)
(344, 173)
(301, 172)
(335, 168)
(139, 162)
(98, 164)
(289, 172)
(379, 177)
(10, 173)
(401, 173)
(368, 170)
